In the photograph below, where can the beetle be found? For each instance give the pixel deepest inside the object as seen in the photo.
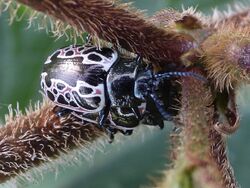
(101, 86)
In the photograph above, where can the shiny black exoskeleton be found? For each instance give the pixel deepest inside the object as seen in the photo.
(107, 89)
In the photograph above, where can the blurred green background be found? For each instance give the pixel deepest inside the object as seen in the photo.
(130, 163)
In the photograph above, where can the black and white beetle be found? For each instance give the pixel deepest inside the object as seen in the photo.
(102, 87)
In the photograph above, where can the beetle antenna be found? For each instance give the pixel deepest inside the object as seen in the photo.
(160, 106)
(180, 74)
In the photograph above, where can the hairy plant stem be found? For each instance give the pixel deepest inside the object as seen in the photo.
(130, 30)
(199, 155)
(239, 19)
(27, 141)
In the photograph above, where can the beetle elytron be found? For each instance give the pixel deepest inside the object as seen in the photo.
(102, 87)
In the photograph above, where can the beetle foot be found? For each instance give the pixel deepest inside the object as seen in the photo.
(161, 125)
(111, 133)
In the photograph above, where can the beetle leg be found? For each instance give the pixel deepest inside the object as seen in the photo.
(83, 118)
(103, 114)
(136, 112)
(111, 132)
(161, 124)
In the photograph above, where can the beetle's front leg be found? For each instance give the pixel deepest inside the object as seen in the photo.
(111, 132)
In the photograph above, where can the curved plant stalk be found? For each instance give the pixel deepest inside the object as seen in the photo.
(199, 154)
(131, 31)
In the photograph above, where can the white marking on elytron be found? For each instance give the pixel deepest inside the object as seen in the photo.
(49, 58)
(99, 87)
(81, 83)
(105, 62)
(69, 89)
(43, 75)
